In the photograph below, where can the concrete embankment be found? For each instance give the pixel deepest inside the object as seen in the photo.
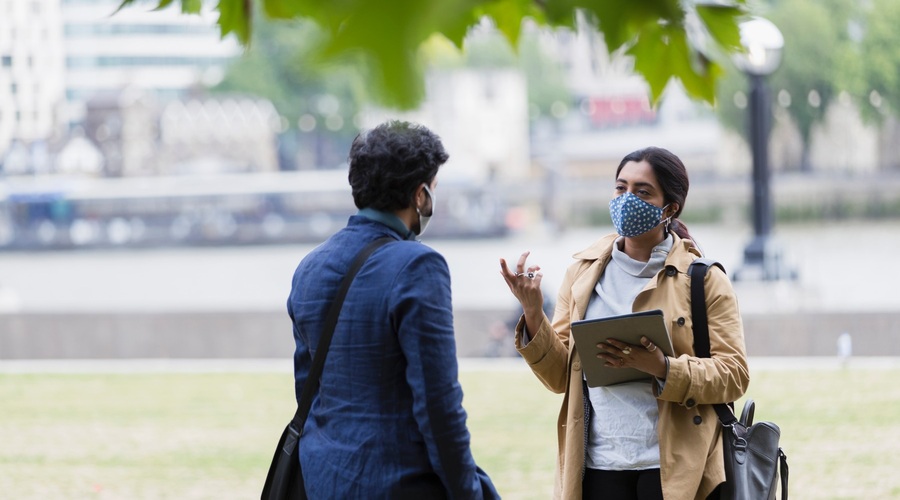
(268, 334)
(219, 303)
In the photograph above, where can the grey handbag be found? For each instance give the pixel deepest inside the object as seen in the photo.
(752, 455)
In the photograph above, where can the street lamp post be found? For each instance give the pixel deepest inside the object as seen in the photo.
(763, 43)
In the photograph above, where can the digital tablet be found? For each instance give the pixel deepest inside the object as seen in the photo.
(628, 328)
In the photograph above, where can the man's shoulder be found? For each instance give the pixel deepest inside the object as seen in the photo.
(406, 251)
(351, 240)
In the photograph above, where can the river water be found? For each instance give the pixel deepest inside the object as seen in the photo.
(841, 266)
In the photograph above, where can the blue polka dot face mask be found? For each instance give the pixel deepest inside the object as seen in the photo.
(633, 216)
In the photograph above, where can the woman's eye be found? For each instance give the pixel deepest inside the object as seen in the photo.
(620, 188)
(643, 192)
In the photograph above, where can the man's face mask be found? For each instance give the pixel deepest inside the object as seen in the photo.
(633, 216)
(425, 219)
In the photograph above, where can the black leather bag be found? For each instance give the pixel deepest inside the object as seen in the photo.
(753, 458)
(285, 479)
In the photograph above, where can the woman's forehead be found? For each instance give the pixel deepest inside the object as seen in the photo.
(638, 172)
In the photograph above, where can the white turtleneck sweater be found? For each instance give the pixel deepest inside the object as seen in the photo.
(623, 425)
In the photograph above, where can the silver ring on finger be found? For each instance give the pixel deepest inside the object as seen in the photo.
(530, 276)
(519, 275)
(626, 351)
(651, 347)
(621, 362)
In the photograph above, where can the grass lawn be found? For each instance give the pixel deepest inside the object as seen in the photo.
(196, 435)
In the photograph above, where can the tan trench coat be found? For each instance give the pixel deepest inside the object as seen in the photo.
(690, 444)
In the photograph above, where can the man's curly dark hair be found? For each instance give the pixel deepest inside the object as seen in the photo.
(389, 162)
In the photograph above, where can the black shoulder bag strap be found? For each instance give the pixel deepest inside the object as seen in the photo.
(285, 478)
(315, 372)
(700, 322)
(698, 270)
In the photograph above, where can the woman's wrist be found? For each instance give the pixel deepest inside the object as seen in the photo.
(533, 321)
(665, 373)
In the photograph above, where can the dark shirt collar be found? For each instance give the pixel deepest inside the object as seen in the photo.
(388, 219)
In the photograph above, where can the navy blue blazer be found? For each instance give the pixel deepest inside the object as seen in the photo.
(388, 420)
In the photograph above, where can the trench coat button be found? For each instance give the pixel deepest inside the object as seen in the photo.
(671, 271)
(681, 321)
(690, 403)
(698, 420)
(576, 366)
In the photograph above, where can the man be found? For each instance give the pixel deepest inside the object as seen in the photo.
(388, 420)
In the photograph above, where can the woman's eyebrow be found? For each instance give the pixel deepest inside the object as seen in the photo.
(637, 184)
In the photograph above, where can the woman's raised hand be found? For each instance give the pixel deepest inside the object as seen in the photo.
(525, 284)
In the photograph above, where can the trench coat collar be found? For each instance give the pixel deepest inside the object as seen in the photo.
(681, 255)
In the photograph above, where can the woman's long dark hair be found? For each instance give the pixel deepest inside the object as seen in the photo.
(672, 178)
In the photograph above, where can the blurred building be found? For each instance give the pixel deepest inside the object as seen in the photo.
(611, 115)
(163, 52)
(137, 135)
(63, 60)
(482, 119)
(79, 156)
(595, 74)
(230, 134)
(31, 76)
(125, 128)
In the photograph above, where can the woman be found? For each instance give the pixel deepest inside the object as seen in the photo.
(651, 439)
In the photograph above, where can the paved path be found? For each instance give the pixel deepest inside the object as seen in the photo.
(284, 365)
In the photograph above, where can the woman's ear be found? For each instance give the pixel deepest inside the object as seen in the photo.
(672, 210)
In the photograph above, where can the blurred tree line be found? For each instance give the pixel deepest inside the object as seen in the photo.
(830, 47)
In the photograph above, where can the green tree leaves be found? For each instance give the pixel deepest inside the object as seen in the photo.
(386, 36)
(231, 14)
(508, 16)
(718, 20)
